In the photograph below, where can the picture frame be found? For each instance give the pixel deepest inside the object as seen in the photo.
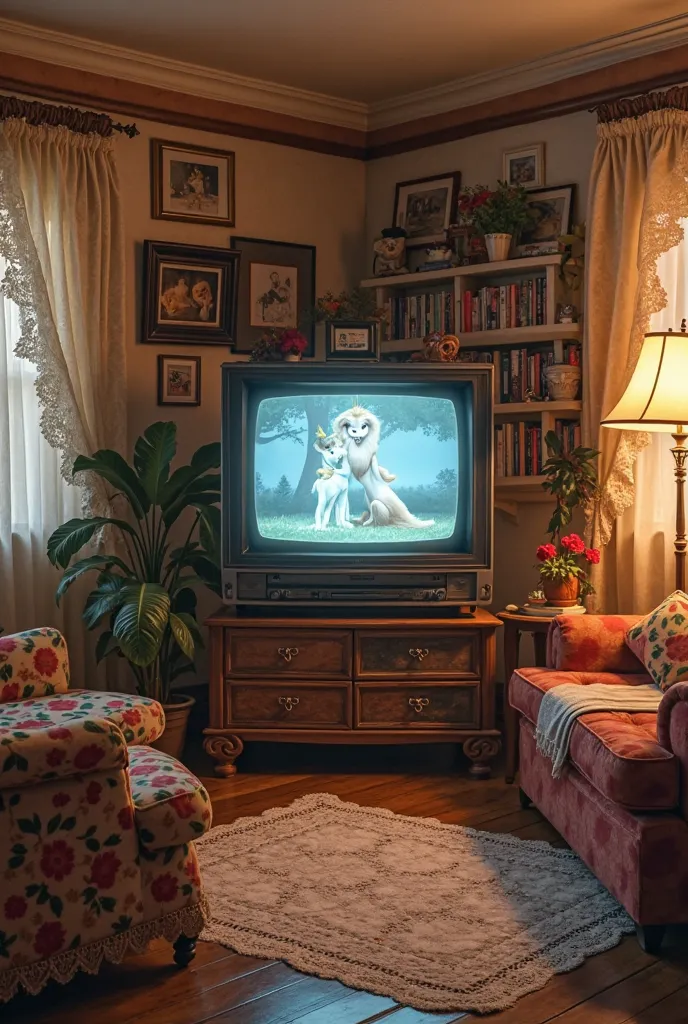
(525, 166)
(276, 289)
(550, 213)
(425, 207)
(192, 183)
(352, 340)
(179, 380)
(190, 294)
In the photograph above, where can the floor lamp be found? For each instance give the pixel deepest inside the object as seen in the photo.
(656, 399)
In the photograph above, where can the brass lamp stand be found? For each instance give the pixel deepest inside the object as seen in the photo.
(680, 453)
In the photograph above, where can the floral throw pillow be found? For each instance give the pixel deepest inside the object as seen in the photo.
(660, 640)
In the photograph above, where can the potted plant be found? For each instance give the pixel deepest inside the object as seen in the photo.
(292, 344)
(145, 588)
(572, 479)
(499, 215)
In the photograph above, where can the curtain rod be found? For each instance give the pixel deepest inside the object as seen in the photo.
(85, 122)
(675, 98)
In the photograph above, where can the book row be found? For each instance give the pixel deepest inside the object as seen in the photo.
(518, 449)
(520, 373)
(415, 316)
(505, 306)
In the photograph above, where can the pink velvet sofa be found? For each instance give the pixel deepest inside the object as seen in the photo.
(622, 800)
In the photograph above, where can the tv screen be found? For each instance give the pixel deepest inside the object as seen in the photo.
(358, 469)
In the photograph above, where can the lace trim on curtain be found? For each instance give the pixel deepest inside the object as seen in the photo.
(39, 341)
(661, 231)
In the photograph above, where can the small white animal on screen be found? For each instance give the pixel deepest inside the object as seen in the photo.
(332, 485)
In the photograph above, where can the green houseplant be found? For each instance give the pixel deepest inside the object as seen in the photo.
(571, 478)
(145, 587)
(499, 215)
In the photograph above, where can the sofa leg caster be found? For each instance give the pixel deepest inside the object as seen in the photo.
(650, 937)
(184, 950)
(524, 800)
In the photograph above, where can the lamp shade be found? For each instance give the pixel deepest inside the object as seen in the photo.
(656, 398)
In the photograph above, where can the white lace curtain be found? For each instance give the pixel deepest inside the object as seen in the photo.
(638, 203)
(61, 354)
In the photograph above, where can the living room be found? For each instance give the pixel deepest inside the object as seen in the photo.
(353, 691)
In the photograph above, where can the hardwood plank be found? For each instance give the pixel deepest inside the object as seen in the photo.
(406, 1015)
(632, 995)
(284, 1005)
(355, 1008)
(672, 1010)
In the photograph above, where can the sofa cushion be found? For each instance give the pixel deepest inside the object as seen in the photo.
(617, 752)
(33, 664)
(141, 720)
(591, 643)
(660, 641)
(171, 805)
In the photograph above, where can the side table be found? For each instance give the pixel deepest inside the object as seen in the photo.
(514, 625)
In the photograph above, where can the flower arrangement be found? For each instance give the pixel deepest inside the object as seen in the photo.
(358, 304)
(502, 211)
(561, 564)
(470, 198)
(292, 342)
(275, 343)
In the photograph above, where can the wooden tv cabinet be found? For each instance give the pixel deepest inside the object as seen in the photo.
(352, 680)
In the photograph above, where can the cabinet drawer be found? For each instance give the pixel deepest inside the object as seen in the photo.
(289, 705)
(429, 654)
(414, 706)
(321, 654)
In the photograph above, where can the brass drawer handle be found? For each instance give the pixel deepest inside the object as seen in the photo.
(289, 702)
(419, 704)
(419, 652)
(287, 652)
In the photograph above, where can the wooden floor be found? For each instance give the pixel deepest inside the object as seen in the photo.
(623, 985)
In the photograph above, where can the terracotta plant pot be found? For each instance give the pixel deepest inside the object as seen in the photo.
(497, 247)
(561, 593)
(176, 721)
(292, 357)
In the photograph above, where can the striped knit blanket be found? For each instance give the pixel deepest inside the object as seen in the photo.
(562, 705)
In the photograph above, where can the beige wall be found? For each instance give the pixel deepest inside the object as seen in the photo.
(569, 145)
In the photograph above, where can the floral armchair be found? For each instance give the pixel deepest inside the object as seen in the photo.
(96, 827)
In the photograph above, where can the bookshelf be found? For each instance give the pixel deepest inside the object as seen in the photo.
(542, 300)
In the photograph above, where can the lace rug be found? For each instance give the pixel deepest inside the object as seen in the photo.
(436, 916)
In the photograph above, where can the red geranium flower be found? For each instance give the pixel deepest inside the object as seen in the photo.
(104, 869)
(59, 733)
(293, 341)
(50, 938)
(592, 555)
(57, 860)
(125, 817)
(165, 888)
(545, 551)
(45, 661)
(9, 692)
(55, 757)
(573, 543)
(93, 791)
(183, 805)
(131, 717)
(88, 757)
(60, 799)
(15, 907)
(677, 647)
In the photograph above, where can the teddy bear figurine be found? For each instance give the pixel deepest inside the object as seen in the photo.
(390, 253)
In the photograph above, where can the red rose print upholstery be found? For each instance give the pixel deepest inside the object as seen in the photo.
(660, 641)
(78, 884)
(170, 807)
(622, 799)
(33, 664)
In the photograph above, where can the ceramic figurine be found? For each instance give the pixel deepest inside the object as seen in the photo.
(567, 314)
(390, 253)
(439, 253)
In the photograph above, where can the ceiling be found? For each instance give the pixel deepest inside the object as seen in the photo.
(362, 50)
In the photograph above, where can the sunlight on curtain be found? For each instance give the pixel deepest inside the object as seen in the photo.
(645, 532)
(34, 499)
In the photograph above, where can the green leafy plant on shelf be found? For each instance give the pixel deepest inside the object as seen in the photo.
(147, 598)
(501, 211)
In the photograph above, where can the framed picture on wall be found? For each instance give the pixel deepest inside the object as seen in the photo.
(179, 380)
(351, 340)
(190, 294)
(425, 207)
(549, 216)
(192, 183)
(525, 166)
(276, 289)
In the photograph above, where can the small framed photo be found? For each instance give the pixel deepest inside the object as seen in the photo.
(192, 183)
(276, 289)
(425, 207)
(525, 166)
(179, 380)
(190, 294)
(352, 339)
(549, 216)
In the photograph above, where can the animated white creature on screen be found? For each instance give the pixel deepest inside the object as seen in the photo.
(356, 469)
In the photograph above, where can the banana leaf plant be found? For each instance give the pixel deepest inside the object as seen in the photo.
(145, 593)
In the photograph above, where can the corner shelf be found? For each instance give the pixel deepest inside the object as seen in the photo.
(572, 408)
(496, 338)
(504, 267)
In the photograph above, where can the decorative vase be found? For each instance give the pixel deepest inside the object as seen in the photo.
(563, 381)
(176, 722)
(292, 357)
(561, 593)
(498, 246)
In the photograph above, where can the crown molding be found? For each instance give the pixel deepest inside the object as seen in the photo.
(474, 89)
(59, 48)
